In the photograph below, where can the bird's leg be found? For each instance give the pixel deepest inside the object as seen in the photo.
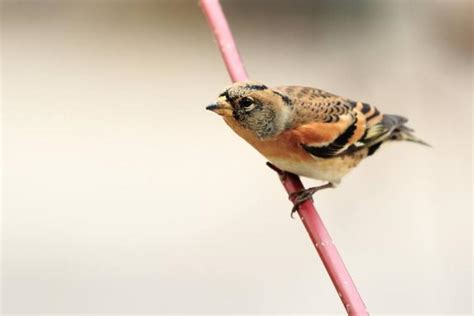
(301, 196)
(281, 173)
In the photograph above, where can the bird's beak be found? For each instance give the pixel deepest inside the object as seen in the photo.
(212, 107)
(222, 108)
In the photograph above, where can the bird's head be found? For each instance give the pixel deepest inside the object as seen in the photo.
(264, 111)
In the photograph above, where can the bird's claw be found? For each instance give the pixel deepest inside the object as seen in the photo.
(299, 197)
(294, 210)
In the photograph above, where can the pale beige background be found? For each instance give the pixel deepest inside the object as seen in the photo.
(122, 194)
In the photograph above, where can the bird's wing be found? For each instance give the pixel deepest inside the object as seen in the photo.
(328, 125)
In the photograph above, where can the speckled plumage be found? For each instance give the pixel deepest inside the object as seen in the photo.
(308, 131)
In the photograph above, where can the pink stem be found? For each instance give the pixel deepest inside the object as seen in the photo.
(325, 247)
(218, 23)
(319, 235)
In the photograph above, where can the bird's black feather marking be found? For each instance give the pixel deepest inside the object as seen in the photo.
(352, 103)
(225, 94)
(376, 112)
(365, 108)
(333, 148)
(373, 148)
(285, 98)
(256, 87)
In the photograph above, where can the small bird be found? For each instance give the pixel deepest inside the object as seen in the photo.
(307, 131)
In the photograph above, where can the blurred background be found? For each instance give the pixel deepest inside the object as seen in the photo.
(122, 194)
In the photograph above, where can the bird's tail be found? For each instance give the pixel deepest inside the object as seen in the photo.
(403, 132)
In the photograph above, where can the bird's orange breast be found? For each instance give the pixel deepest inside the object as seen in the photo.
(287, 145)
(285, 151)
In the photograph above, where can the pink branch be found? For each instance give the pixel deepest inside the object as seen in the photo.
(325, 247)
(218, 23)
(319, 235)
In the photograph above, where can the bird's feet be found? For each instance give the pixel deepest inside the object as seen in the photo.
(299, 197)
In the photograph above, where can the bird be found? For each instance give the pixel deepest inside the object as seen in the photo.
(308, 131)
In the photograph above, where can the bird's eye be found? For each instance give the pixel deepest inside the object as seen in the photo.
(246, 102)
